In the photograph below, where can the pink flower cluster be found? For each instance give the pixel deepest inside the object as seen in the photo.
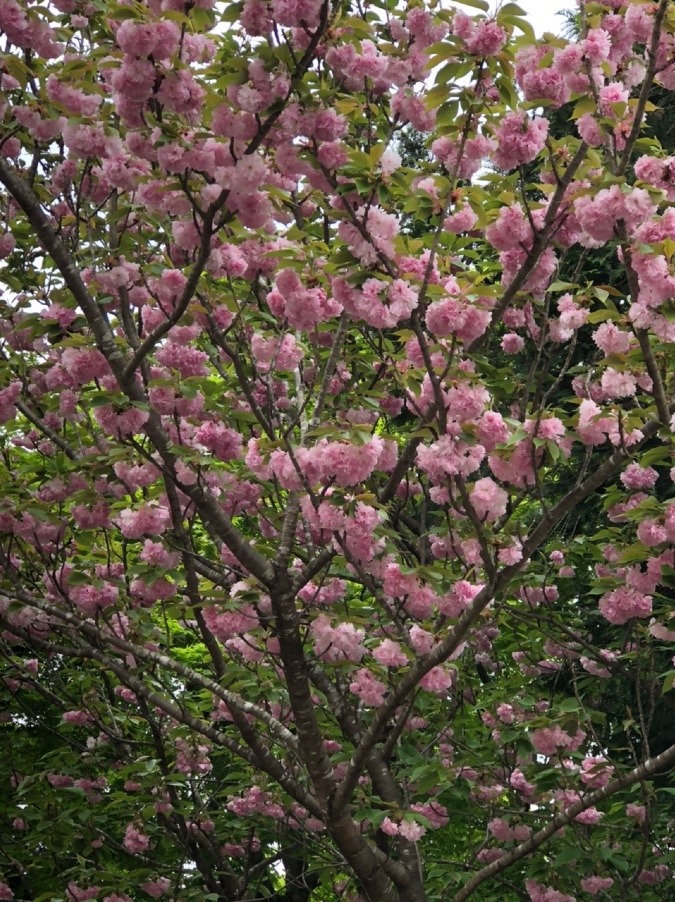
(449, 456)
(380, 304)
(595, 427)
(226, 625)
(459, 316)
(370, 690)
(347, 464)
(376, 235)
(224, 443)
(343, 642)
(520, 138)
(598, 214)
(612, 340)
(473, 152)
(134, 841)
(659, 173)
(596, 772)
(504, 832)
(358, 531)
(540, 893)
(459, 598)
(255, 801)
(488, 499)
(280, 354)
(551, 740)
(410, 830)
(483, 38)
(192, 757)
(390, 654)
(623, 604)
(157, 887)
(303, 307)
(149, 519)
(594, 885)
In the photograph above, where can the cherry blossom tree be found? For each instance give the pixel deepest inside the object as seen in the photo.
(337, 531)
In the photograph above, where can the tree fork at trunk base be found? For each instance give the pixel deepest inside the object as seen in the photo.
(379, 878)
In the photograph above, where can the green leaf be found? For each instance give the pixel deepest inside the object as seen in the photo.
(482, 5)
(668, 682)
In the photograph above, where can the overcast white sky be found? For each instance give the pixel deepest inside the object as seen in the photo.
(542, 13)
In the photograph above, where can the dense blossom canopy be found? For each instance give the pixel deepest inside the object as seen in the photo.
(337, 521)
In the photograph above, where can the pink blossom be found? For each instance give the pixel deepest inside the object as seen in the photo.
(638, 478)
(594, 885)
(255, 801)
(411, 830)
(520, 138)
(121, 423)
(381, 228)
(433, 811)
(58, 781)
(512, 343)
(340, 643)
(370, 690)
(520, 784)
(437, 680)
(639, 812)
(590, 817)
(652, 876)
(390, 161)
(651, 533)
(193, 758)
(488, 499)
(149, 519)
(623, 604)
(475, 150)
(510, 229)
(549, 740)
(77, 893)
(455, 315)
(449, 457)
(491, 430)
(389, 654)
(135, 841)
(539, 893)
(187, 361)
(611, 94)
(462, 220)
(157, 887)
(388, 827)
(84, 365)
(225, 625)
(500, 829)
(618, 384)
(223, 442)
(159, 38)
(77, 718)
(422, 641)
(460, 597)
(155, 554)
(596, 772)
(90, 599)
(596, 45)
(612, 340)
(593, 427)
(76, 102)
